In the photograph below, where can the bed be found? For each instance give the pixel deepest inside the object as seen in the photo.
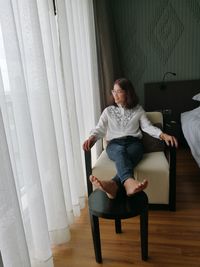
(190, 123)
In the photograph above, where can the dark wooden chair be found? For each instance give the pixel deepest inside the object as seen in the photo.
(122, 207)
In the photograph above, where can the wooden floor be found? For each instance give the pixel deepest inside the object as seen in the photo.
(174, 237)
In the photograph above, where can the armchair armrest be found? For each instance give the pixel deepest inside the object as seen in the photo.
(88, 167)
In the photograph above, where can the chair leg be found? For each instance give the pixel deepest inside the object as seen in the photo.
(96, 237)
(144, 234)
(118, 226)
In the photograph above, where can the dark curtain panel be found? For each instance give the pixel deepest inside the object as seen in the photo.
(108, 61)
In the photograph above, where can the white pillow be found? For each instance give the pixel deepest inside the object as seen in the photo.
(196, 97)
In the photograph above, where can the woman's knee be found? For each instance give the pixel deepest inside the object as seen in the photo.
(114, 150)
(135, 153)
(135, 149)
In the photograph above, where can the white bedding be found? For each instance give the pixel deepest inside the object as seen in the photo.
(190, 122)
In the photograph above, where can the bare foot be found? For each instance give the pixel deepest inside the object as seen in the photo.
(133, 186)
(109, 187)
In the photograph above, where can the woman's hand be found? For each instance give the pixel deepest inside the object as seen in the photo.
(169, 139)
(88, 144)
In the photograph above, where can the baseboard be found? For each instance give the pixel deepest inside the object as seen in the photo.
(161, 207)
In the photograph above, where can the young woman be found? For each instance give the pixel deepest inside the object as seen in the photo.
(121, 124)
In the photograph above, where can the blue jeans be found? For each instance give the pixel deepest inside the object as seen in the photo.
(126, 152)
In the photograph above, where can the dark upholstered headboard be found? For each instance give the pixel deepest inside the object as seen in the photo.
(175, 95)
(172, 98)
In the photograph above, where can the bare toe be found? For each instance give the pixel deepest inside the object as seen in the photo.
(109, 187)
(133, 186)
(93, 178)
(144, 184)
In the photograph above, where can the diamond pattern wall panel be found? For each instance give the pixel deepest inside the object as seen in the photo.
(165, 31)
(156, 36)
(194, 6)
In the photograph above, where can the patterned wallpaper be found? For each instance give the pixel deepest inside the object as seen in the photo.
(156, 36)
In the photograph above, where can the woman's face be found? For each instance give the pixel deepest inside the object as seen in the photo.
(119, 95)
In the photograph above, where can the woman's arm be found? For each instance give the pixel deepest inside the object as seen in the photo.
(98, 132)
(101, 128)
(154, 131)
(88, 144)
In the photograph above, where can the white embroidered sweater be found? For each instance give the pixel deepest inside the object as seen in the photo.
(116, 122)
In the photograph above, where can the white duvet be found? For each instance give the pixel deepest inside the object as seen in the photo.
(190, 121)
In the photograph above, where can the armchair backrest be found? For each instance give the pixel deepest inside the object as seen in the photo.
(155, 117)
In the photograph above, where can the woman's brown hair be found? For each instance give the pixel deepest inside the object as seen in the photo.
(132, 99)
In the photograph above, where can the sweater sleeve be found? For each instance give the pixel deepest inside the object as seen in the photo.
(147, 126)
(101, 128)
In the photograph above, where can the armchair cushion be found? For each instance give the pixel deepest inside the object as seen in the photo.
(153, 166)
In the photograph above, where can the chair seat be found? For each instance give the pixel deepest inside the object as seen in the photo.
(121, 207)
(154, 167)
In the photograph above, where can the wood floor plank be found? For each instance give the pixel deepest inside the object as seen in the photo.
(174, 237)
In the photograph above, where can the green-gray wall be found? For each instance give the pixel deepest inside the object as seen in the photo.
(155, 36)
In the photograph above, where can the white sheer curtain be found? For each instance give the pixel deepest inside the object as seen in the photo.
(49, 102)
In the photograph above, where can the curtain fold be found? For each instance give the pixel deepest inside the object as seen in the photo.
(107, 50)
(49, 101)
(78, 50)
(25, 157)
(73, 138)
(11, 225)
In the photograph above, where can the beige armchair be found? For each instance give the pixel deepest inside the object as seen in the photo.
(158, 166)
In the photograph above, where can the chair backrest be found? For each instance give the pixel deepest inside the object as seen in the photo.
(155, 117)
